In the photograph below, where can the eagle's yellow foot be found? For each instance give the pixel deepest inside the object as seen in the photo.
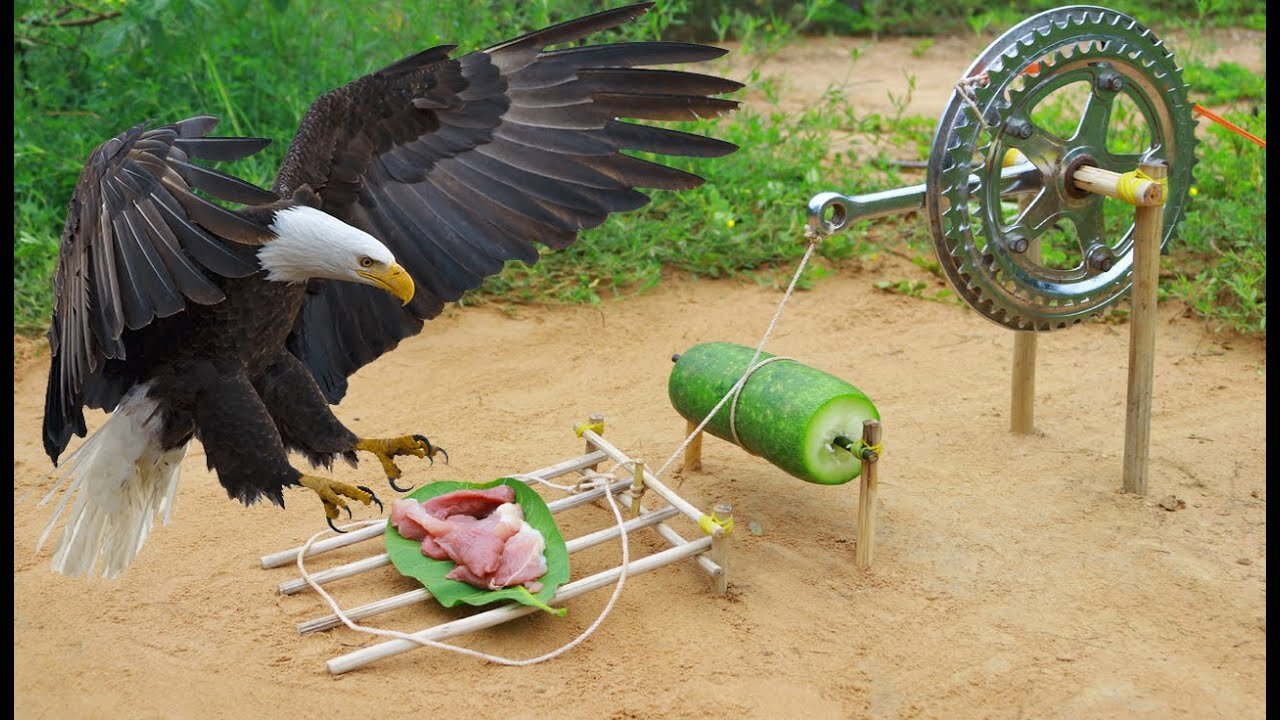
(332, 492)
(386, 449)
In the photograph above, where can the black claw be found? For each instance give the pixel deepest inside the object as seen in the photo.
(373, 497)
(392, 482)
(348, 509)
(445, 453)
(334, 527)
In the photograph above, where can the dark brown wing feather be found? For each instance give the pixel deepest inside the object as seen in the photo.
(460, 165)
(139, 244)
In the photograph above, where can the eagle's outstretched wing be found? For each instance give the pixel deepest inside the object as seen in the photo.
(138, 245)
(459, 165)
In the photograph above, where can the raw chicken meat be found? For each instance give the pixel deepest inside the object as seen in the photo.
(476, 503)
(409, 517)
(482, 531)
(522, 559)
(478, 544)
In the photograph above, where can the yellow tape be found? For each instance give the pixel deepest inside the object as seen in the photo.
(595, 427)
(862, 447)
(709, 525)
(1128, 183)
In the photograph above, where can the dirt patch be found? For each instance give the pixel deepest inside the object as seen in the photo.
(27, 351)
(1012, 579)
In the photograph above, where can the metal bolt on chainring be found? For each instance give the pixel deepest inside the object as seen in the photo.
(1016, 94)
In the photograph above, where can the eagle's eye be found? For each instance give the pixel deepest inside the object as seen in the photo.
(366, 262)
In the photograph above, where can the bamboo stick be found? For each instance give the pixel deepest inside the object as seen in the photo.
(723, 513)
(1147, 193)
(684, 506)
(284, 557)
(637, 487)
(1147, 232)
(594, 419)
(1022, 398)
(364, 656)
(412, 597)
(692, 453)
(867, 489)
(296, 585)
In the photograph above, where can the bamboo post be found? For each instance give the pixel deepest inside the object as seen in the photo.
(1022, 398)
(1148, 229)
(596, 419)
(637, 488)
(868, 485)
(722, 513)
(692, 453)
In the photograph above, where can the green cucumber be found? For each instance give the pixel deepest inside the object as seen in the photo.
(794, 416)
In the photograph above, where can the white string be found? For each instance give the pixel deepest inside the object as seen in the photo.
(964, 87)
(497, 659)
(733, 406)
(814, 240)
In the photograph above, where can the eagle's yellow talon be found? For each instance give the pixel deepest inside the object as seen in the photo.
(332, 494)
(385, 449)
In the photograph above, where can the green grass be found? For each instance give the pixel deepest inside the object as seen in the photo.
(161, 60)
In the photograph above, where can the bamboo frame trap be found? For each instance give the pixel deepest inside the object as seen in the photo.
(708, 551)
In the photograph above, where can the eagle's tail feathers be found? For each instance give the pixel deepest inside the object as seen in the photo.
(120, 479)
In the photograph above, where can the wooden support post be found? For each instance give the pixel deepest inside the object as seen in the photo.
(692, 453)
(1148, 230)
(867, 487)
(722, 513)
(637, 489)
(1022, 398)
(596, 419)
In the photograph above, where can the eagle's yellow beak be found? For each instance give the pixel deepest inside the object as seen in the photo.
(394, 280)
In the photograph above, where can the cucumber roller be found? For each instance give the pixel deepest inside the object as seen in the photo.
(802, 420)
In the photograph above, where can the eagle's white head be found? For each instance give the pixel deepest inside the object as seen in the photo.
(313, 244)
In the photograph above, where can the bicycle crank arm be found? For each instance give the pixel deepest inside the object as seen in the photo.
(830, 212)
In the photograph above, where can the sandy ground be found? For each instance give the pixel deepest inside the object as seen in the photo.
(1011, 579)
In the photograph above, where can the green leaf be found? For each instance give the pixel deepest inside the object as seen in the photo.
(406, 555)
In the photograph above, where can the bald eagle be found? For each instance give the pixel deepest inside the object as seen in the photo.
(400, 191)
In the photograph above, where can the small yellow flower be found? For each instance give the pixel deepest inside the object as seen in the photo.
(729, 223)
(1194, 191)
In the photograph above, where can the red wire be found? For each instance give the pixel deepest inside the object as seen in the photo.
(1202, 110)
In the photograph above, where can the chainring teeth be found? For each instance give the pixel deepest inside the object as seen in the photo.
(968, 237)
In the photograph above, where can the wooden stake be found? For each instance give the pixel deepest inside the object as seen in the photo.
(594, 419)
(692, 453)
(637, 488)
(1022, 398)
(722, 513)
(868, 486)
(1148, 229)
